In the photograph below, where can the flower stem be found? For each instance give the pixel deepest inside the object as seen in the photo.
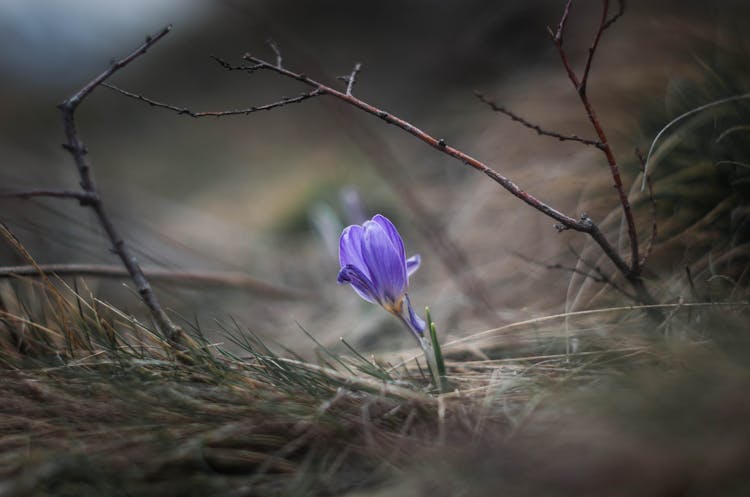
(429, 353)
(440, 362)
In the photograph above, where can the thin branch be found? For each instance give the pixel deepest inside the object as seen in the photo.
(85, 198)
(352, 78)
(596, 275)
(594, 44)
(619, 14)
(187, 277)
(556, 266)
(233, 112)
(78, 151)
(276, 51)
(652, 200)
(557, 38)
(633, 271)
(602, 277)
(541, 131)
(231, 67)
(74, 100)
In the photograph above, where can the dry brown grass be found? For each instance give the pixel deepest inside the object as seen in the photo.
(95, 403)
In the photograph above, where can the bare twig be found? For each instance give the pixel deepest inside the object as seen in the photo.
(276, 51)
(596, 274)
(223, 113)
(652, 200)
(541, 131)
(186, 277)
(232, 67)
(634, 269)
(594, 44)
(352, 78)
(557, 38)
(615, 17)
(78, 151)
(85, 198)
(602, 277)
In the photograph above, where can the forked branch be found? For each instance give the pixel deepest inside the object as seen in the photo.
(581, 86)
(90, 193)
(595, 274)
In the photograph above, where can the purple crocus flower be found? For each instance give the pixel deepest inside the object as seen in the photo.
(374, 263)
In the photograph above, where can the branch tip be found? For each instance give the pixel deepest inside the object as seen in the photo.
(541, 131)
(276, 51)
(352, 78)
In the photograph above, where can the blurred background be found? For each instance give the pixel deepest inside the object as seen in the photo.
(266, 195)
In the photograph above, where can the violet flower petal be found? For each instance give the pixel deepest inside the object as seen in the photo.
(360, 283)
(392, 233)
(412, 264)
(350, 249)
(385, 262)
